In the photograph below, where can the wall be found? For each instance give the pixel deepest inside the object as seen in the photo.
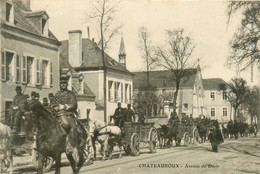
(24, 44)
(218, 104)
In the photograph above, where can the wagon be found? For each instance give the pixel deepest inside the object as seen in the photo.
(133, 134)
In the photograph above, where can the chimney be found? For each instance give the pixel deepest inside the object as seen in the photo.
(27, 4)
(75, 48)
(88, 33)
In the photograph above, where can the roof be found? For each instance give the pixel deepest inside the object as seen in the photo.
(212, 83)
(23, 22)
(164, 79)
(92, 57)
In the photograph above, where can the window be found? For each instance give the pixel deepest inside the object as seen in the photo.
(3, 67)
(44, 22)
(38, 72)
(224, 112)
(7, 65)
(30, 69)
(224, 95)
(126, 93)
(212, 95)
(24, 69)
(116, 91)
(88, 113)
(122, 93)
(18, 68)
(212, 112)
(45, 72)
(9, 11)
(110, 95)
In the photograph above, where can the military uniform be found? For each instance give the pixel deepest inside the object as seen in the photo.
(118, 118)
(19, 103)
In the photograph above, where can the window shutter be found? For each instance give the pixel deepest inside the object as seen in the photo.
(18, 69)
(51, 75)
(3, 66)
(24, 69)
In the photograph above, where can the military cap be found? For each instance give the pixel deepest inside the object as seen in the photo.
(63, 78)
(18, 88)
(33, 93)
(50, 95)
(45, 99)
(36, 95)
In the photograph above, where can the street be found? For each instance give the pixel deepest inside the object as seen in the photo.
(234, 156)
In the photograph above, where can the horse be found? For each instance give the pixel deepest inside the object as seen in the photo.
(47, 126)
(6, 159)
(167, 134)
(202, 132)
(106, 135)
(253, 130)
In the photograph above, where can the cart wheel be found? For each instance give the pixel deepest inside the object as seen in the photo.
(127, 149)
(153, 139)
(195, 136)
(47, 164)
(134, 144)
(186, 139)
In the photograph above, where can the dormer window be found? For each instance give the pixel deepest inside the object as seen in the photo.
(44, 27)
(9, 14)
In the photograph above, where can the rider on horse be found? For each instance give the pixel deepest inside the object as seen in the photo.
(65, 103)
(17, 110)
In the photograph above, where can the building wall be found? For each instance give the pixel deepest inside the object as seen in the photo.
(29, 46)
(218, 104)
(84, 106)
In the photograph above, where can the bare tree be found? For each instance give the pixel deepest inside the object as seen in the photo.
(103, 13)
(145, 46)
(175, 56)
(245, 43)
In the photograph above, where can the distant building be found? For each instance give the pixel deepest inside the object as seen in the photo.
(29, 52)
(190, 96)
(85, 57)
(216, 101)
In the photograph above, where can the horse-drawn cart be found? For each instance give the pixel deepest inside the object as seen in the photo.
(135, 133)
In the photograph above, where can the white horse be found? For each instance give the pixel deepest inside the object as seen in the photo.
(6, 159)
(106, 135)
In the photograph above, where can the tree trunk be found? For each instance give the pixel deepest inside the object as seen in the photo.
(175, 96)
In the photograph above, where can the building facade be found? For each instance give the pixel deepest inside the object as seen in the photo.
(216, 101)
(85, 57)
(190, 100)
(29, 52)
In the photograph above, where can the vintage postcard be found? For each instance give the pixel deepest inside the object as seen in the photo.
(129, 86)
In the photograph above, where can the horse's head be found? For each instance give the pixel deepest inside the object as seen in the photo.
(95, 126)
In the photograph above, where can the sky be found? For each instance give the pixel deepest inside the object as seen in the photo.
(204, 21)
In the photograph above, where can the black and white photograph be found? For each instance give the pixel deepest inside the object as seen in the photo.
(129, 87)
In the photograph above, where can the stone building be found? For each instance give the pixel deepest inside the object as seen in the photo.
(216, 101)
(29, 52)
(85, 57)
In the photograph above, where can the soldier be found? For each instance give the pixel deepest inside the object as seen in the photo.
(51, 96)
(65, 103)
(45, 102)
(18, 109)
(118, 119)
(33, 95)
(191, 119)
(130, 116)
(37, 96)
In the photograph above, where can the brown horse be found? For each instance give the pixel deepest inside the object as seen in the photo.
(51, 140)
